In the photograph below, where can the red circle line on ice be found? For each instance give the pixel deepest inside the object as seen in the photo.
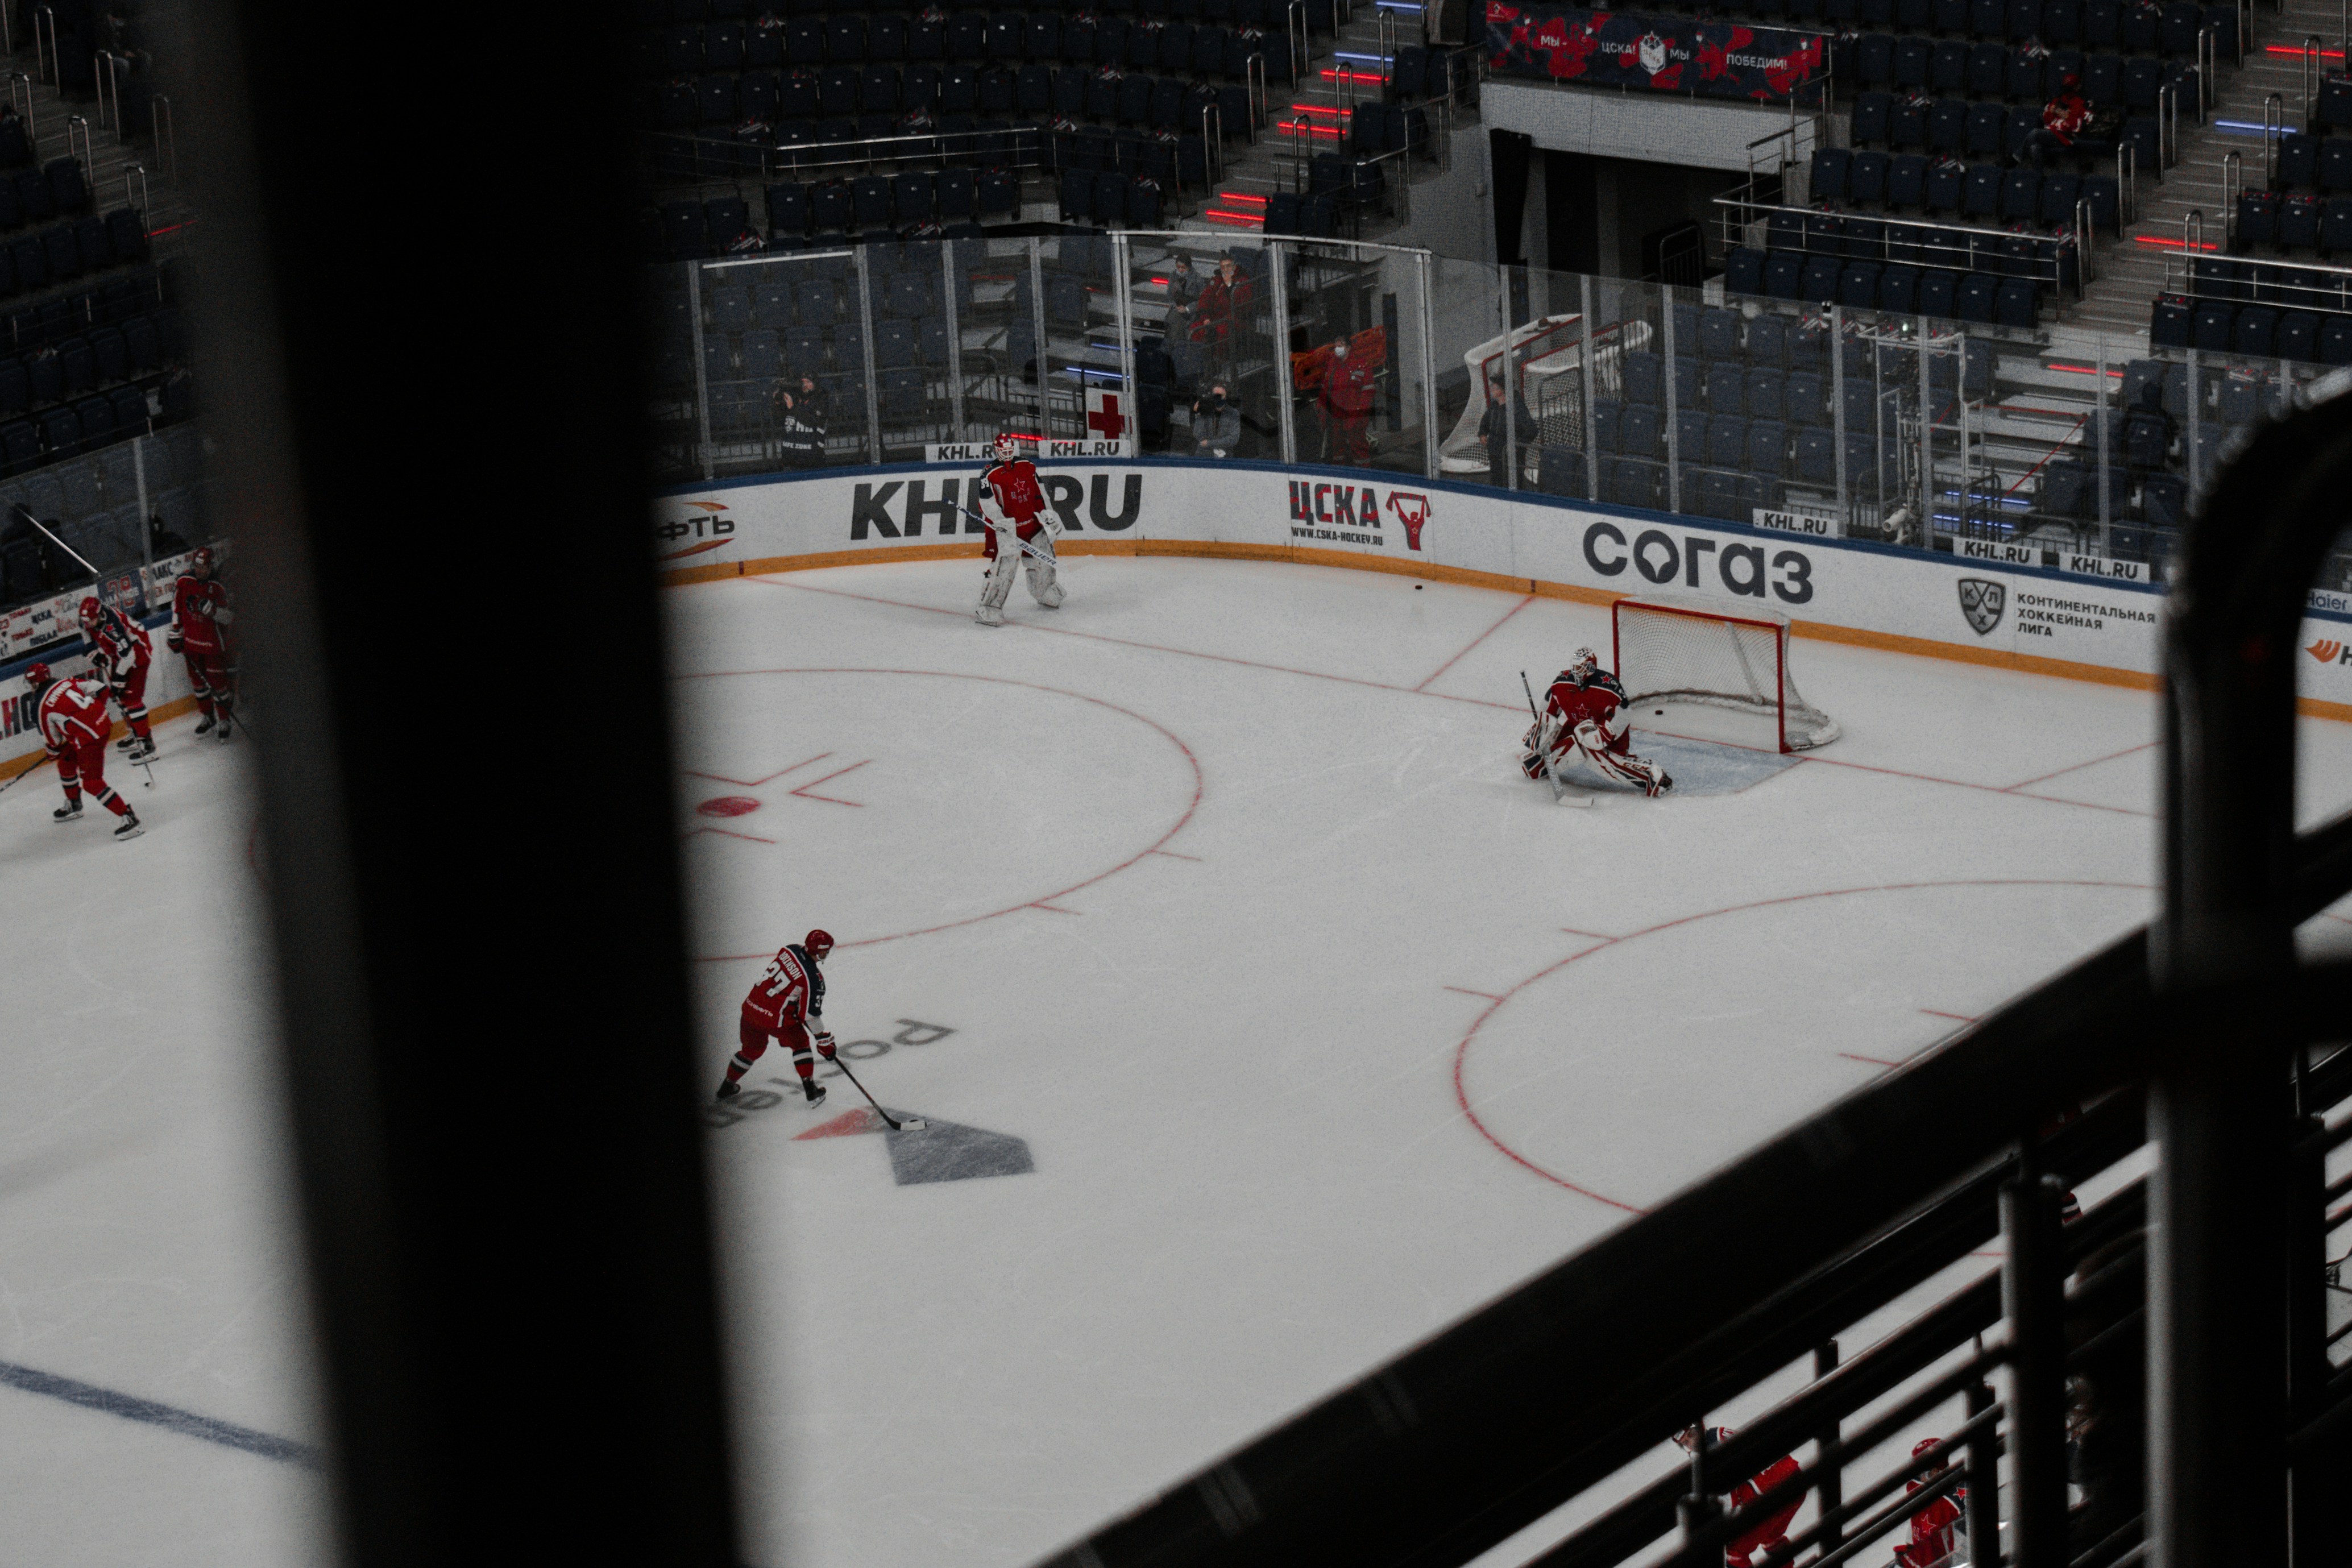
(728, 805)
(1462, 1050)
(1157, 846)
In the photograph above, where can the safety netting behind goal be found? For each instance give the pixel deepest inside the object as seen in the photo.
(1673, 654)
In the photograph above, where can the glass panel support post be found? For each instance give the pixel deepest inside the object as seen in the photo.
(701, 377)
(1837, 419)
(1430, 461)
(1278, 270)
(1591, 421)
(1037, 324)
(2195, 464)
(949, 279)
(1927, 443)
(866, 343)
(1510, 387)
(1130, 430)
(1673, 409)
(139, 478)
(2107, 501)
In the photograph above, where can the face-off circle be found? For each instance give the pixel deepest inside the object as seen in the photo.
(1629, 1064)
(728, 805)
(896, 803)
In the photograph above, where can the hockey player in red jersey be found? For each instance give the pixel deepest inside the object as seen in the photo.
(1584, 714)
(74, 725)
(785, 1003)
(1932, 1526)
(1012, 503)
(1769, 1533)
(199, 634)
(120, 653)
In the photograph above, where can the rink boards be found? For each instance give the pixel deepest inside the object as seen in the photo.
(2084, 625)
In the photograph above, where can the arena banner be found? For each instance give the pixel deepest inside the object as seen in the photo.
(1654, 54)
(2014, 614)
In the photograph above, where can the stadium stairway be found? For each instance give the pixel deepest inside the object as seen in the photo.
(2131, 273)
(111, 156)
(1310, 117)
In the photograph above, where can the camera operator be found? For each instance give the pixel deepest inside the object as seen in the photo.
(1216, 423)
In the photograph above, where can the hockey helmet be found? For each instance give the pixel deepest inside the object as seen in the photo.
(1008, 446)
(201, 562)
(37, 678)
(818, 944)
(91, 611)
(1581, 664)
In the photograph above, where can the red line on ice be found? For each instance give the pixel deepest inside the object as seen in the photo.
(1172, 855)
(755, 784)
(1593, 934)
(803, 791)
(1489, 995)
(728, 833)
(1199, 786)
(2093, 762)
(1474, 642)
(1874, 1061)
(1462, 1050)
(1935, 1013)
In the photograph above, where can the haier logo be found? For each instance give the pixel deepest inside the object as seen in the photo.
(2328, 651)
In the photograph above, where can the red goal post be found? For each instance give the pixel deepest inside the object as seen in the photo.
(1670, 651)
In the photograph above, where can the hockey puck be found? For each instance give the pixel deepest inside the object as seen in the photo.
(1416, 587)
(1659, 713)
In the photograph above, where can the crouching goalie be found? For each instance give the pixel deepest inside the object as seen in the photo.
(1584, 713)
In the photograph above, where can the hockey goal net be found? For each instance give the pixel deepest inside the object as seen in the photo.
(1669, 654)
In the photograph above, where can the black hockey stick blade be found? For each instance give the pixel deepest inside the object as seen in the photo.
(912, 1123)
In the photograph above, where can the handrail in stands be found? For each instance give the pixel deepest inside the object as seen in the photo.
(1212, 144)
(45, 53)
(2233, 182)
(2167, 103)
(1740, 212)
(88, 159)
(109, 87)
(160, 122)
(1294, 29)
(2273, 131)
(2311, 44)
(2087, 270)
(23, 106)
(140, 206)
(2126, 182)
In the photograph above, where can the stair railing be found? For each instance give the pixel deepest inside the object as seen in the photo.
(2084, 269)
(45, 43)
(1259, 102)
(2233, 182)
(141, 205)
(1302, 134)
(1295, 28)
(159, 108)
(2273, 131)
(2167, 107)
(1212, 143)
(2126, 184)
(8, 33)
(2208, 50)
(107, 66)
(2192, 222)
(2312, 45)
(20, 98)
(88, 159)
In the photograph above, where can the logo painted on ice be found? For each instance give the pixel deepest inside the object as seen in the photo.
(1981, 601)
(1413, 511)
(2326, 650)
(1652, 52)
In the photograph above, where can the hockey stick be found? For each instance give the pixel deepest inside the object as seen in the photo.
(1046, 554)
(1560, 795)
(912, 1123)
(7, 784)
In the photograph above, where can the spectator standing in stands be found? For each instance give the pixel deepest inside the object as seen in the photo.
(801, 418)
(161, 543)
(1219, 312)
(2062, 120)
(1496, 439)
(1346, 406)
(1183, 287)
(1216, 423)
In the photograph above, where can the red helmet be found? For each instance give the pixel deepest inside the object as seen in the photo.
(90, 612)
(1922, 1446)
(1008, 446)
(37, 678)
(818, 944)
(201, 561)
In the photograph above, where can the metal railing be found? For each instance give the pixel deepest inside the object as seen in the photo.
(1919, 242)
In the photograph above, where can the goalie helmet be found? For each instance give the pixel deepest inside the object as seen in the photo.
(1580, 665)
(1008, 446)
(91, 612)
(818, 944)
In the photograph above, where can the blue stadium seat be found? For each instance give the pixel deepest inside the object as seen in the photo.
(1939, 291)
(2014, 303)
(1768, 449)
(1898, 290)
(1820, 285)
(2209, 330)
(1980, 196)
(130, 416)
(1874, 60)
(1829, 173)
(1816, 455)
(1638, 431)
(68, 194)
(1767, 341)
(1988, 70)
(1743, 271)
(1866, 178)
(1641, 375)
(1858, 285)
(1727, 387)
(1726, 441)
(1784, 274)
(1874, 114)
(1560, 472)
(1607, 415)
(61, 433)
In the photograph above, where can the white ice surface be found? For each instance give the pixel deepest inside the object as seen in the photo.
(1321, 1025)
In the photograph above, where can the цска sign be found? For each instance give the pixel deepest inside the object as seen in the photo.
(1655, 54)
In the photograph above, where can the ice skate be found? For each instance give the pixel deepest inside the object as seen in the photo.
(144, 752)
(71, 812)
(129, 827)
(814, 1090)
(224, 726)
(729, 1088)
(989, 615)
(204, 725)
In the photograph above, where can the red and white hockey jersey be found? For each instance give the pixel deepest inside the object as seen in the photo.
(200, 614)
(791, 992)
(1599, 699)
(1009, 493)
(123, 643)
(73, 715)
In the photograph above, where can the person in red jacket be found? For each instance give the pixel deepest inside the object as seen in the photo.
(74, 726)
(1346, 406)
(1932, 1526)
(1769, 1533)
(199, 634)
(2062, 120)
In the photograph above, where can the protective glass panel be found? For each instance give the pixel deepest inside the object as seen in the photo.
(782, 365)
(1354, 330)
(1466, 311)
(1210, 297)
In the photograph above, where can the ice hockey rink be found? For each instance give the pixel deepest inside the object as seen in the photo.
(1264, 1020)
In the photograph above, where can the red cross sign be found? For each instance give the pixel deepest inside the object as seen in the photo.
(1103, 417)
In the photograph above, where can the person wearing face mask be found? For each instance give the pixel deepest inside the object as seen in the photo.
(1216, 423)
(1345, 405)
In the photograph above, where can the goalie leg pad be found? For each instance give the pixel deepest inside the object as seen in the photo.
(1043, 585)
(1625, 767)
(996, 585)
